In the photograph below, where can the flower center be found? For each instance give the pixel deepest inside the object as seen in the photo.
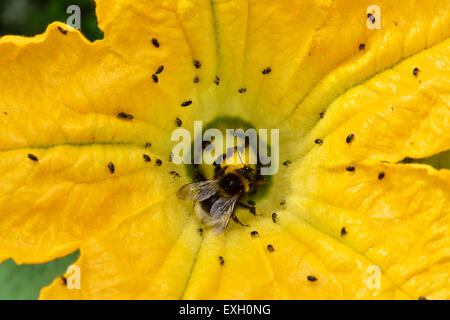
(232, 147)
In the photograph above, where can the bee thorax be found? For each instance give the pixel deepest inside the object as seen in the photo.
(231, 184)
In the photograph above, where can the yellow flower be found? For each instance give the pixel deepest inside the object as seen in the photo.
(351, 102)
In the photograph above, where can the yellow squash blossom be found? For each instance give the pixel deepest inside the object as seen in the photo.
(85, 134)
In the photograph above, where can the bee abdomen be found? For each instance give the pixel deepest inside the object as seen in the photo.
(207, 204)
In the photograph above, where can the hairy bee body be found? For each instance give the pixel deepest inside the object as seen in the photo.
(215, 199)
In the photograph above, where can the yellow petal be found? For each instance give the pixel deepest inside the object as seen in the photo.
(400, 223)
(337, 64)
(59, 107)
(393, 115)
(122, 263)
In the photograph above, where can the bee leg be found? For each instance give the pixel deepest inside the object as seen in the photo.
(235, 219)
(243, 205)
(251, 209)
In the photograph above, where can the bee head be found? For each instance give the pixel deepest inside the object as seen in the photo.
(236, 162)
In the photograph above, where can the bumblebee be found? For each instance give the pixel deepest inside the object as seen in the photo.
(215, 199)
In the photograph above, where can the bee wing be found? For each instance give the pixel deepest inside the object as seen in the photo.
(221, 212)
(198, 191)
(222, 205)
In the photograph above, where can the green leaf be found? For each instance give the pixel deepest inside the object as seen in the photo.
(438, 161)
(30, 17)
(23, 282)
